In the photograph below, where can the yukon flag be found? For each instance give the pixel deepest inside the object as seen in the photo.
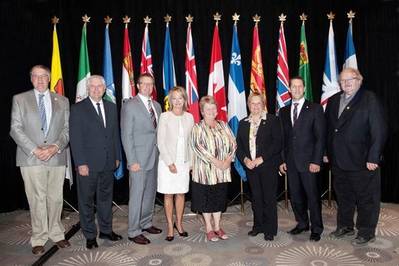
(216, 75)
(128, 87)
(350, 52)
(237, 109)
(168, 71)
(57, 86)
(283, 97)
(304, 67)
(330, 75)
(84, 67)
(191, 75)
(146, 57)
(257, 82)
(109, 83)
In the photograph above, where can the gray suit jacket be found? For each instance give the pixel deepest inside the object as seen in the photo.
(139, 137)
(27, 133)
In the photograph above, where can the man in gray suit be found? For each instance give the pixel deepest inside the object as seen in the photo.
(139, 138)
(40, 128)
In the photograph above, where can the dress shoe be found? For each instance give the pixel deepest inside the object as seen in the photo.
(140, 239)
(38, 250)
(360, 241)
(269, 237)
(297, 230)
(169, 238)
(342, 232)
(253, 232)
(91, 243)
(63, 243)
(314, 237)
(183, 234)
(112, 236)
(152, 230)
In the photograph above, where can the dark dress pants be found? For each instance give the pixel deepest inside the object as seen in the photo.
(305, 195)
(359, 190)
(99, 185)
(263, 183)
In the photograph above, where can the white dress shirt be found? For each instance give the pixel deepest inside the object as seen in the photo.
(101, 107)
(300, 103)
(47, 104)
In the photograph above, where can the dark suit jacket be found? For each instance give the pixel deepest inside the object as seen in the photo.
(305, 142)
(91, 143)
(268, 140)
(359, 134)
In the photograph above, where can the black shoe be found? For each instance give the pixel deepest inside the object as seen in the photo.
(360, 241)
(140, 239)
(169, 238)
(297, 230)
(91, 243)
(112, 236)
(314, 237)
(152, 230)
(269, 237)
(183, 234)
(342, 232)
(253, 232)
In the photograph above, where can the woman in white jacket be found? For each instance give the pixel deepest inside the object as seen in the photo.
(174, 131)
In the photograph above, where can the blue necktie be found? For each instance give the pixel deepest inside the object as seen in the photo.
(42, 112)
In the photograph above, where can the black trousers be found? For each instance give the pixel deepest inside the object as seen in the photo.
(263, 183)
(99, 185)
(361, 191)
(305, 195)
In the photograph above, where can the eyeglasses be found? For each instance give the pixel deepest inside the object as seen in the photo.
(347, 80)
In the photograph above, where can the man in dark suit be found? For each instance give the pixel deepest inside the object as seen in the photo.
(304, 130)
(139, 121)
(94, 137)
(356, 135)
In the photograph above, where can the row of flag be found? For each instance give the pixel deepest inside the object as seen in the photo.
(236, 108)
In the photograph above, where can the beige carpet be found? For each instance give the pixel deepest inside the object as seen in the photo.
(240, 249)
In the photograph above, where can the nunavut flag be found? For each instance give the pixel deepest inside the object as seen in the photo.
(216, 76)
(56, 82)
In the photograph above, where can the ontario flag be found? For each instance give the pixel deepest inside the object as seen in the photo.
(146, 59)
(191, 77)
(283, 97)
(128, 88)
(257, 82)
(216, 77)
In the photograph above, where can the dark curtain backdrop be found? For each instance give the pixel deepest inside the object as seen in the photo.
(26, 40)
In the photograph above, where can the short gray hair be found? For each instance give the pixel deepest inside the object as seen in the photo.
(101, 78)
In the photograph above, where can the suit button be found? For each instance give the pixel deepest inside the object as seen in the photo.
(336, 130)
(45, 141)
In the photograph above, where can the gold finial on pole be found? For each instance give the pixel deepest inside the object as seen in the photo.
(86, 19)
(147, 20)
(108, 20)
(167, 19)
(303, 17)
(282, 18)
(331, 16)
(55, 20)
(256, 19)
(189, 19)
(217, 17)
(236, 18)
(351, 15)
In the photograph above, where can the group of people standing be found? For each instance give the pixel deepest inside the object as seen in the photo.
(162, 148)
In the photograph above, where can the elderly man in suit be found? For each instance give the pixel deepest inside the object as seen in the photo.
(356, 135)
(40, 128)
(95, 143)
(304, 129)
(139, 119)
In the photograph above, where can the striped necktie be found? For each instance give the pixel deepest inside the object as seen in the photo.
(295, 114)
(152, 114)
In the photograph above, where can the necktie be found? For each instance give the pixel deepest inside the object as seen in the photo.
(295, 115)
(100, 114)
(152, 114)
(42, 112)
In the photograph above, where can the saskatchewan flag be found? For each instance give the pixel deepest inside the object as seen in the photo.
(304, 67)
(84, 67)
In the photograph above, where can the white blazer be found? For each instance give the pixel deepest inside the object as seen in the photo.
(167, 136)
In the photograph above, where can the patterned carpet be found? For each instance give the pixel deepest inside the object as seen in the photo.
(240, 249)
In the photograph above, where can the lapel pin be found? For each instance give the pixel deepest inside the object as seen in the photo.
(348, 107)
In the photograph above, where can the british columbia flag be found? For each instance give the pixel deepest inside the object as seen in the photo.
(283, 97)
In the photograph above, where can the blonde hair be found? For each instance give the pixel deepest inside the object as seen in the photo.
(180, 90)
(206, 100)
(256, 94)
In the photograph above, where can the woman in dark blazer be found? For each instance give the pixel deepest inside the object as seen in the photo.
(259, 144)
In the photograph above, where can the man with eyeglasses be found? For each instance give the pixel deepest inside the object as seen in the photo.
(40, 128)
(139, 120)
(356, 135)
